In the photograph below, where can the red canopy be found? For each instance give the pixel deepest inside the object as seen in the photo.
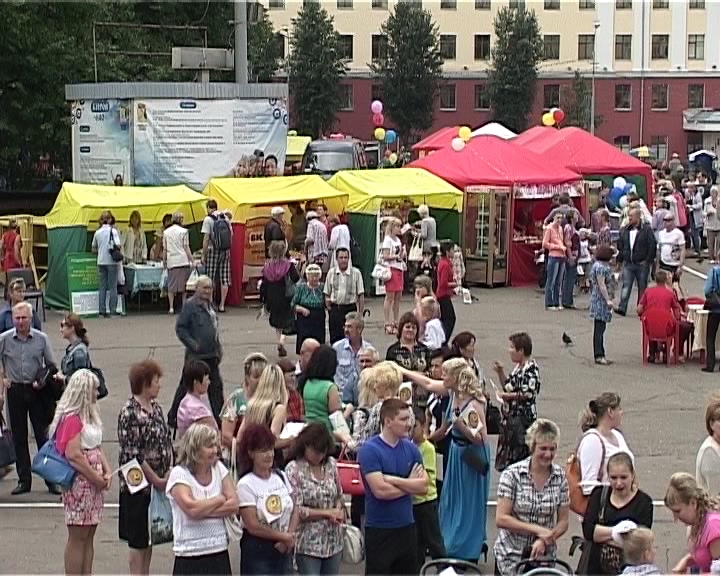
(437, 140)
(538, 133)
(492, 161)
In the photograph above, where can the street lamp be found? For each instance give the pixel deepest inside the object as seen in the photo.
(596, 25)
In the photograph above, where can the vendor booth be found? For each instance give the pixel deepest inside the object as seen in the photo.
(507, 196)
(74, 218)
(373, 194)
(534, 133)
(494, 129)
(436, 141)
(250, 201)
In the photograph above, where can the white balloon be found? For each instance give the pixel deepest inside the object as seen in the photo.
(619, 182)
(457, 144)
(623, 202)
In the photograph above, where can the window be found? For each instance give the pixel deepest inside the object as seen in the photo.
(377, 93)
(623, 97)
(346, 97)
(660, 46)
(659, 97)
(586, 45)
(280, 42)
(379, 4)
(696, 96)
(696, 47)
(623, 47)
(587, 5)
(276, 4)
(694, 142)
(552, 5)
(517, 4)
(345, 46)
(551, 96)
(447, 97)
(658, 144)
(482, 5)
(345, 4)
(696, 4)
(623, 4)
(661, 4)
(551, 47)
(482, 46)
(622, 142)
(448, 48)
(379, 46)
(306, 2)
(448, 4)
(482, 97)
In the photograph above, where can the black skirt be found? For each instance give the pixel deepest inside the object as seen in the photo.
(133, 519)
(312, 326)
(211, 564)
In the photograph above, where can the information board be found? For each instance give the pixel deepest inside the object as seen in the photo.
(83, 285)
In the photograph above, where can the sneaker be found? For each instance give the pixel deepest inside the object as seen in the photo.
(559, 308)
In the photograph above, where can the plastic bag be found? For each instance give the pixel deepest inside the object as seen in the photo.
(164, 279)
(160, 518)
(191, 284)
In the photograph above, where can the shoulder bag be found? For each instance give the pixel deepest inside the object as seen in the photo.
(7, 447)
(350, 476)
(52, 467)
(115, 251)
(573, 473)
(587, 546)
(353, 551)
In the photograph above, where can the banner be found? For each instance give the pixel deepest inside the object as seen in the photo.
(83, 284)
(101, 141)
(190, 141)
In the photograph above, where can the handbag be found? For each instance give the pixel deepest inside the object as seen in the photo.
(381, 272)
(289, 288)
(493, 419)
(350, 477)
(611, 557)
(52, 467)
(160, 518)
(233, 527)
(353, 551)
(7, 447)
(102, 387)
(476, 460)
(416, 250)
(573, 473)
(115, 252)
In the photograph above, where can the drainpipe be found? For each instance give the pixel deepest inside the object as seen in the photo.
(642, 76)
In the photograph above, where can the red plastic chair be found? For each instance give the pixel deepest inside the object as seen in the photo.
(695, 300)
(660, 326)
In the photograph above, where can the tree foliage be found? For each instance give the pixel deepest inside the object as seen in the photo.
(315, 70)
(577, 103)
(515, 57)
(410, 68)
(264, 53)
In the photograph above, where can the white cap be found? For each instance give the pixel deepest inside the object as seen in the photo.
(277, 211)
(311, 214)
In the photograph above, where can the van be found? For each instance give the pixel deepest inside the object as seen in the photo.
(326, 157)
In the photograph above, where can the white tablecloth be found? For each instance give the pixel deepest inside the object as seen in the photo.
(698, 316)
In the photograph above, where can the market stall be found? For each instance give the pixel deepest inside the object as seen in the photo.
(436, 141)
(374, 194)
(296, 146)
(507, 190)
(74, 218)
(494, 129)
(250, 201)
(534, 133)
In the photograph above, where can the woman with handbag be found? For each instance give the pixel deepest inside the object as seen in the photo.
(77, 355)
(393, 256)
(202, 495)
(313, 474)
(277, 289)
(609, 505)
(78, 431)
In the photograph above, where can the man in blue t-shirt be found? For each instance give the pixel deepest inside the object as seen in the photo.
(392, 472)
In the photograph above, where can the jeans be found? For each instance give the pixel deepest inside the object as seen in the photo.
(711, 328)
(447, 316)
(568, 285)
(108, 285)
(712, 241)
(258, 557)
(554, 267)
(696, 234)
(599, 339)
(312, 566)
(630, 274)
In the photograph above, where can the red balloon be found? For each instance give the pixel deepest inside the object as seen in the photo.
(558, 116)
(378, 119)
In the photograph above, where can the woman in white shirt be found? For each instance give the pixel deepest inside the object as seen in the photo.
(712, 224)
(707, 463)
(177, 259)
(201, 495)
(339, 238)
(393, 256)
(601, 422)
(134, 244)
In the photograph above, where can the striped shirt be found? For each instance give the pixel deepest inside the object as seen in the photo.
(343, 288)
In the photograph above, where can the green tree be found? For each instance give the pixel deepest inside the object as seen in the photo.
(315, 69)
(516, 54)
(576, 103)
(410, 68)
(264, 53)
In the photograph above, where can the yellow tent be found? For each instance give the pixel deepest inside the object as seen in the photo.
(296, 147)
(82, 204)
(253, 197)
(368, 189)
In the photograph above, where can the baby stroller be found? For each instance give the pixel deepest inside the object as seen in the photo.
(543, 567)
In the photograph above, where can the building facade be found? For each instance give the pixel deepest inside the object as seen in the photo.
(656, 64)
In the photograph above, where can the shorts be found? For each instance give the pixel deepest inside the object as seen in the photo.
(396, 282)
(133, 519)
(217, 266)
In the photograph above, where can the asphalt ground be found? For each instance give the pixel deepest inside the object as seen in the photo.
(664, 407)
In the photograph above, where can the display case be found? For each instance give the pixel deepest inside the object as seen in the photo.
(486, 235)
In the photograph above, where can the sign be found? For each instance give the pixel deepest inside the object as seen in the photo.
(101, 141)
(83, 284)
(190, 141)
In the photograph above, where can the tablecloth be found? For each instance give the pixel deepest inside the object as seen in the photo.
(523, 270)
(698, 316)
(142, 277)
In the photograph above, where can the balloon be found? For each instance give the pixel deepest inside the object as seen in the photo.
(378, 119)
(614, 197)
(393, 158)
(547, 119)
(390, 136)
(379, 134)
(292, 132)
(558, 115)
(619, 182)
(457, 144)
(376, 107)
(623, 201)
(465, 133)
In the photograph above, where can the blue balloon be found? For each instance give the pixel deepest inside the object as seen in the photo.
(614, 197)
(390, 136)
(628, 188)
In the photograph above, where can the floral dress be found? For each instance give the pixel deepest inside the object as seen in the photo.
(599, 310)
(317, 538)
(313, 325)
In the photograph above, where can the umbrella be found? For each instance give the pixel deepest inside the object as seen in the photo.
(642, 153)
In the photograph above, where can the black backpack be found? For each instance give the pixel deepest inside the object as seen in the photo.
(221, 237)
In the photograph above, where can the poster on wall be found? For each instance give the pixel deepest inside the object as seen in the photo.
(101, 141)
(83, 284)
(190, 141)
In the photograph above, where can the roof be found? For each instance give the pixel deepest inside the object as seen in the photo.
(494, 129)
(242, 195)
(488, 160)
(534, 133)
(368, 188)
(82, 204)
(437, 140)
(296, 145)
(325, 145)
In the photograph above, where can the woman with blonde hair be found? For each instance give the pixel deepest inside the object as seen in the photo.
(393, 256)
(696, 508)
(77, 430)
(134, 243)
(707, 462)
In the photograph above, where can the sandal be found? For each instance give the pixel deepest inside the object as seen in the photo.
(388, 329)
(603, 361)
(394, 329)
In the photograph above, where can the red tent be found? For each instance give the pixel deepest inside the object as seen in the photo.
(538, 133)
(487, 160)
(436, 140)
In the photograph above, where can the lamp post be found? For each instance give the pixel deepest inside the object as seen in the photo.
(596, 25)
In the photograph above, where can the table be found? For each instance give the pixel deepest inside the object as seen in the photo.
(143, 277)
(698, 316)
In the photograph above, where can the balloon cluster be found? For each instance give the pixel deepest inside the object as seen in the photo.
(381, 135)
(618, 195)
(464, 134)
(553, 118)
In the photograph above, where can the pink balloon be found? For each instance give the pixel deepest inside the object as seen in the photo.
(376, 107)
(378, 119)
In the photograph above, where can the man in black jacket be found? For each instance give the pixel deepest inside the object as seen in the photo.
(636, 253)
